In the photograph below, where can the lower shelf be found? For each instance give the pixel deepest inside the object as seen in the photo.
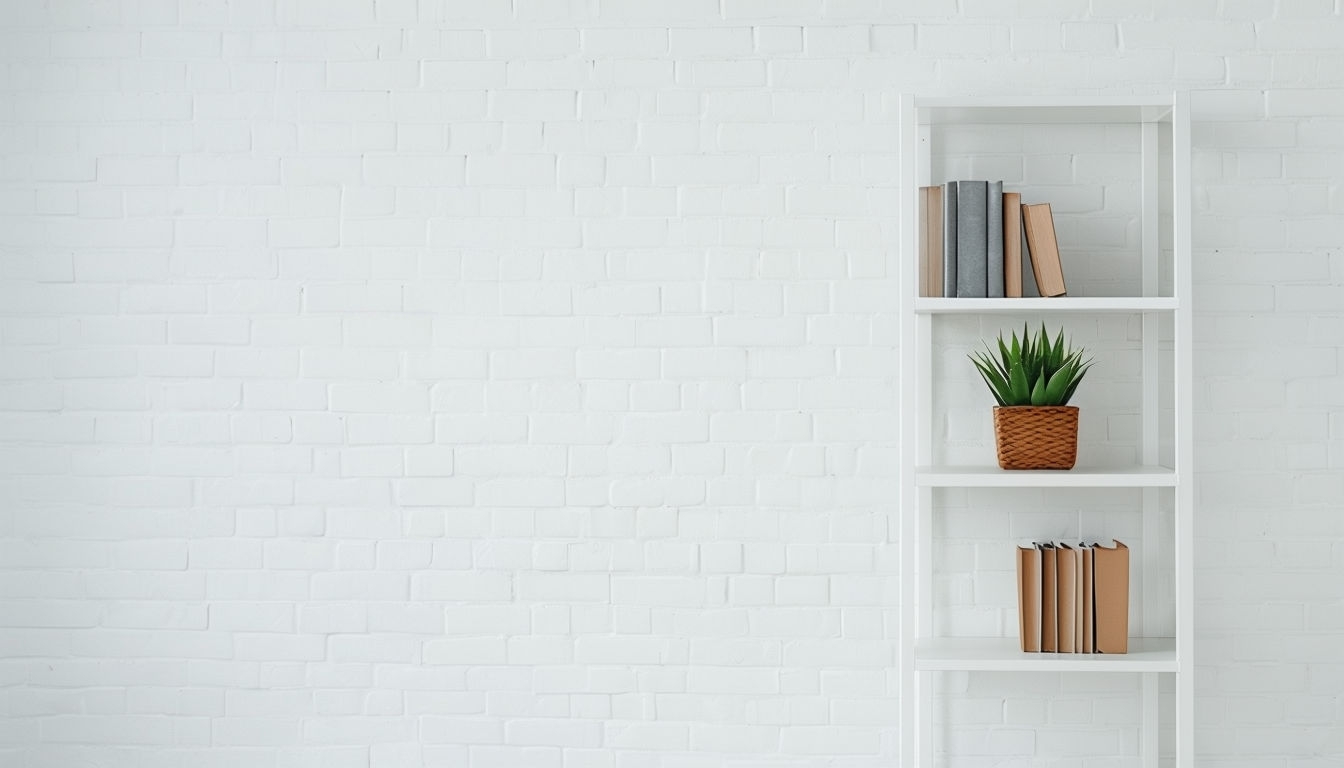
(1001, 654)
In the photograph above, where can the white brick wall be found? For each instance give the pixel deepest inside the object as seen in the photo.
(388, 383)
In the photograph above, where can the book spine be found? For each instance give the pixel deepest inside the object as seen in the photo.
(1040, 228)
(994, 233)
(1029, 599)
(1012, 245)
(972, 239)
(1049, 600)
(1066, 588)
(923, 225)
(950, 239)
(1111, 581)
(1089, 602)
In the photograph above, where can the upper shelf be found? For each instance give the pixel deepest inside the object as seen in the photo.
(1078, 477)
(1115, 304)
(989, 110)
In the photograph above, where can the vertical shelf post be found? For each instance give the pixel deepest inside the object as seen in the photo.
(1149, 557)
(1184, 432)
(1148, 742)
(910, 704)
(924, 456)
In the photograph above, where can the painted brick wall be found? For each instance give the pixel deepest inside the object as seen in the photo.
(511, 382)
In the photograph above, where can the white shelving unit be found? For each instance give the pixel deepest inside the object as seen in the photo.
(1162, 306)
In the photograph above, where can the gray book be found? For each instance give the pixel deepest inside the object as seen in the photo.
(972, 239)
(950, 239)
(994, 233)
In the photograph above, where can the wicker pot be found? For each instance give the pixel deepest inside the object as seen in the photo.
(1036, 437)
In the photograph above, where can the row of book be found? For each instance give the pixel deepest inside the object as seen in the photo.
(971, 236)
(1073, 598)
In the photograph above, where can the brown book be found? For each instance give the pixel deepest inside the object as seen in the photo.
(1049, 602)
(931, 241)
(922, 224)
(1040, 228)
(1089, 626)
(1078, 600)
(1110, 582)
(1066, 571)
(1029, 598)
(1012, 245)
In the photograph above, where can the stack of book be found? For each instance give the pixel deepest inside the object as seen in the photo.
(970, 242)
(1073, 598)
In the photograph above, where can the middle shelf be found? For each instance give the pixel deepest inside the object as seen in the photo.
(1142, 476)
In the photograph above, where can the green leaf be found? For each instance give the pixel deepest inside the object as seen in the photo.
(997, 386)
(1034, 368)
(1068, 393)
(1020, 391)
(1038, 392)
(988, 358)
(1058, 383)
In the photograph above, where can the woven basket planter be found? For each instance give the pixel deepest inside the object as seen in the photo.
(1036, 437)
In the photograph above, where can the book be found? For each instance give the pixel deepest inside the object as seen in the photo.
(930, 241)
(1029, 598)
(1029, 288)
(1089, 626)
(1078, 600)
(1073, 598)
(972, 238)
(1049, 602)
(950, 239)
(994, 251)
(1110, 583)
(1066, 572)
(921, 223)
(1039, 225)
(1012, 244)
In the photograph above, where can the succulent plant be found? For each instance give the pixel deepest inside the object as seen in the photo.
(1033, 370)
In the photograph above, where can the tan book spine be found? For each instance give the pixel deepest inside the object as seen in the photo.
(1089, 625)
(934, 225)
(1045, 265)
(923, 227)
(1110, 580)
(1029, 598)
(1078, 600)
(1012, 245)
(1049, 602)
(1065, 572)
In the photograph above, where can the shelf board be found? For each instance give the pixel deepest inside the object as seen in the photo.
(1078, 477)
(990, 110)
(1001, 654)
(1116, 304)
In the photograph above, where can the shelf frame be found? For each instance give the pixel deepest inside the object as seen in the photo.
(921, 654)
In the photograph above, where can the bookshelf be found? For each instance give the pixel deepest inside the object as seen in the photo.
(1144, 289)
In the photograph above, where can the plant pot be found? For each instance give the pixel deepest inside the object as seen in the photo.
(1036, 437)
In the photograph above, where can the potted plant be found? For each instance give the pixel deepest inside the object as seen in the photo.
(1033, 379)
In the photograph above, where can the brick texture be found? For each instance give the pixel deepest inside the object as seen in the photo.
(394, 383)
